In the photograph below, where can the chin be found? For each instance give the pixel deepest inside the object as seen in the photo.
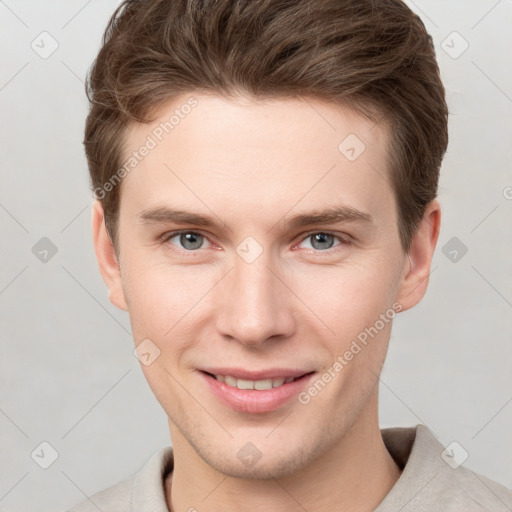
(279, 467)
(272, 462)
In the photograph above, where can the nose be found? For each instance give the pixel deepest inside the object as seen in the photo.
(254, 304)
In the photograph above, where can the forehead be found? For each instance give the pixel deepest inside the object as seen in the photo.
(212, 151)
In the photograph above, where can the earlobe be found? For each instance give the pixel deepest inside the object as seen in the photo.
(107, 260)
(417, 266)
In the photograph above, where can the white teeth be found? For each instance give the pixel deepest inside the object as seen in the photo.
(277, 382)
(230, 381)
(261, 385)
(244, 384)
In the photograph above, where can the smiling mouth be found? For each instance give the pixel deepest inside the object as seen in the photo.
(259, 385)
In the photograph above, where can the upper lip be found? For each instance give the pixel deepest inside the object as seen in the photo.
(271, 373)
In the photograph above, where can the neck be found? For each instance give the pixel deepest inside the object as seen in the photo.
(354, 476)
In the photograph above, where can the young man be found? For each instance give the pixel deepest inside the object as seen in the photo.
(265, 177)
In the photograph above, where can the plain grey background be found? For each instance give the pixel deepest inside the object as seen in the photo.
(68, 375)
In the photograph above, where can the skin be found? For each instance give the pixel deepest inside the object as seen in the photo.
(252, 165)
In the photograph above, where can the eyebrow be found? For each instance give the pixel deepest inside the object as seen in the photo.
(330, 215)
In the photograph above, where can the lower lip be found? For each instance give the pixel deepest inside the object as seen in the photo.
(255, 401)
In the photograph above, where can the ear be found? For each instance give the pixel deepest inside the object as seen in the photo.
(107, 260)
(415, 277)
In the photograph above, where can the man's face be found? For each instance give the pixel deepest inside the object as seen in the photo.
(260, 291)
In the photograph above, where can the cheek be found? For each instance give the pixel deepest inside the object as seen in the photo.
(158, 295)
(169, 305)
(350, 296)
(163, 303)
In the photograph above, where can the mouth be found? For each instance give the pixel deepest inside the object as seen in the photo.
(262, 393)
(260, 385)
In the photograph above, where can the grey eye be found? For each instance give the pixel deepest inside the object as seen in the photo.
(322, 241)
(190, 240)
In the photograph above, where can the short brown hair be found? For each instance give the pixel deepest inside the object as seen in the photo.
(372, 55)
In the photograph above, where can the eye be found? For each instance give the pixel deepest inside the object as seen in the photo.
(322, 241)
(187, 240)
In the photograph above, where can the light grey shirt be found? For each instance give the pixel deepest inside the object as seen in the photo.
(429, 481)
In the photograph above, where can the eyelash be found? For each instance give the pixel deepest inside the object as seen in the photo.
(343, 241)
